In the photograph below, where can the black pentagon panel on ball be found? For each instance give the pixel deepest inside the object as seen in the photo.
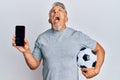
(93, 52)
(83, 66)
(93, 65)
(77, 58)
(82, 49)
(86, 57)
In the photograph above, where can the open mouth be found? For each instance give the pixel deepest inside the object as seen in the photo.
(56, 19)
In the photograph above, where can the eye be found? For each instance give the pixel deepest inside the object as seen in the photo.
(60, 10)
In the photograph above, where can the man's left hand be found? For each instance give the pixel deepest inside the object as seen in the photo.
(89, 72)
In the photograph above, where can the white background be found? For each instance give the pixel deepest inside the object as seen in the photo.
(100, 19)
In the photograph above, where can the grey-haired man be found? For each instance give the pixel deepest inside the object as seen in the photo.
(58, 47)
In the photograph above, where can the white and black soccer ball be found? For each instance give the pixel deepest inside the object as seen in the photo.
(86, 58)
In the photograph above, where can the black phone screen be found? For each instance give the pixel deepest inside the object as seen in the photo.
(20, 35)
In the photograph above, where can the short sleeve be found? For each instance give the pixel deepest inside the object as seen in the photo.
(87, 41)
(37, 53)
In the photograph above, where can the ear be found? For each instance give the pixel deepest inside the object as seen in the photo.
(49, 20)
(66, 19)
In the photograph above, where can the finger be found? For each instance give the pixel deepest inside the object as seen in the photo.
(84, 69)
(13, 43)
(25, 41)
(26, 44)
(13, 38)
(84, 73)
(89, 74)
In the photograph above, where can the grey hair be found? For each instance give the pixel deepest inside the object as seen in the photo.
(60, 4)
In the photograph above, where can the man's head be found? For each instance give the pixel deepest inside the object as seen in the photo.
(58, 16)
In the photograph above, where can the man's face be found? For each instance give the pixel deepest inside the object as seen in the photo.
(58, 18)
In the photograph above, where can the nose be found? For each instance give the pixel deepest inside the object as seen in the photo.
(56, 11)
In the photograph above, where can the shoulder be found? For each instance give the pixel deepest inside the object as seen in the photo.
(71, 29)
(79, 35)
(76, 32)
(43, 35)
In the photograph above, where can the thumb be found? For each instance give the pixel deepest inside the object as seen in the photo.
(84, 69)
(26, 44)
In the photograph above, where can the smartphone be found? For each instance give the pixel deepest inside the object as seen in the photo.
(20, 35)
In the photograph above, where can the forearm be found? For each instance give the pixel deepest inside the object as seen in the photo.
(31, 61)
(100, 57)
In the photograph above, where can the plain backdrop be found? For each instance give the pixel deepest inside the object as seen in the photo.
(100, 19)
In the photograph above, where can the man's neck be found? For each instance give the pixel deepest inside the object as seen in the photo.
(61, 28)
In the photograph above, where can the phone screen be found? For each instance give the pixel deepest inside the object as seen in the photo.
(20, 35)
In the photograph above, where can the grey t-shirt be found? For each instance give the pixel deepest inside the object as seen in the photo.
(58, 50)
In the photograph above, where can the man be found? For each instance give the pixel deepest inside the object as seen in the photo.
(58, 47)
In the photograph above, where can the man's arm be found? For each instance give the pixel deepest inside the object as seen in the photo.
(91, 72)
(31, 61)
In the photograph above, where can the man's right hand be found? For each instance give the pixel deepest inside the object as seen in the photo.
(22, 49)
(32, 62)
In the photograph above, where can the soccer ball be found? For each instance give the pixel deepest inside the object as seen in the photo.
(86, 58)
